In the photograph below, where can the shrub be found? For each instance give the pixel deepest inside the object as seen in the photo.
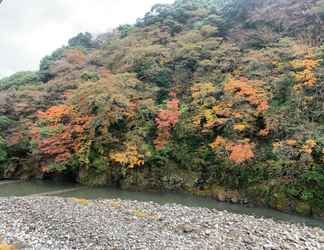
(19, 79)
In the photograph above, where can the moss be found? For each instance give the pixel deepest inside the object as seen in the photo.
(135, 180)
(93, 178)
(179, 179)
(259, 194)
(280, 202)
(319, 213)
(303, 208)
(201, 192)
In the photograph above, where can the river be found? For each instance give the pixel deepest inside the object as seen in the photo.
(61, 189)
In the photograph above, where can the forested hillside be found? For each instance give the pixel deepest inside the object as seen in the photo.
(223, 98)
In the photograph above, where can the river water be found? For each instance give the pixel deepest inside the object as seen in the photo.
(50, 188)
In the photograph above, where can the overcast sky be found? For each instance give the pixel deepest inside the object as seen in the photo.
(30, 29)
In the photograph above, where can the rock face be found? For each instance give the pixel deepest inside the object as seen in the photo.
(56, 223)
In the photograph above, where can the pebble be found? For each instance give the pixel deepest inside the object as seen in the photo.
(63, 223)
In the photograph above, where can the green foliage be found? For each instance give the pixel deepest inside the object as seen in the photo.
(3, 151)
(5, 122)
(82, 41)
(19, 79)
(48, 131)
(124, 30)
(90, 76)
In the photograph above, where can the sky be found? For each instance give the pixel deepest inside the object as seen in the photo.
(31, 29)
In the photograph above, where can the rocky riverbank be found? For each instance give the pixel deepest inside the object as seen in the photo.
(57, 223)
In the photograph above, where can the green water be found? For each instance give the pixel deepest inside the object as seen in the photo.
(43, 187)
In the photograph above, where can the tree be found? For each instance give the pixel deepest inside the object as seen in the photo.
(62, 134)
(305, 72)
(165, 121)
(19, 79)
(129, 157)
(237, 151)
(44, 67)
(124, 30)
(82, 41)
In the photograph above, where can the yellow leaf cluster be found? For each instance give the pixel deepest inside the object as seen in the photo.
(240, 127)
(210, 117)
(223, 109)
(197, 120)
(309, 146)
(201, 90)
(218, 142)
(306, 72)
(130, 157)
(276, 145)
(308, 63)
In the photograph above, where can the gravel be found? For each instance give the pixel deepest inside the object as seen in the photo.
(66, 223)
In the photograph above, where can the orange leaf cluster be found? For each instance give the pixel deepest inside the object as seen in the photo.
(218, 142)
(54, 113)
(264, 132)
(240, 127)
(240, 153)
(67, 140)
(249, 90)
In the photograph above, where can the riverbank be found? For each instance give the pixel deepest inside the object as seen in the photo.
(59, 223)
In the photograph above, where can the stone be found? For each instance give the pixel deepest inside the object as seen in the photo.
(186, 228)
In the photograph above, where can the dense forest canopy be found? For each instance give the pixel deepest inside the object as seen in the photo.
(216, 97)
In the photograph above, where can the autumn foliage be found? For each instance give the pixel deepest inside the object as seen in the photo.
(165, 121)
(67, 129)
(241, 152)
(305, 72)
(250, 91)
(129, 157)
(238, 151)
(195, 95)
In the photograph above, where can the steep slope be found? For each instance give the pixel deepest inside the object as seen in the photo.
(218, 98)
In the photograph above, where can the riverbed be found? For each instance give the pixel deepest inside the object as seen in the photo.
(70, 223)
(64, 189)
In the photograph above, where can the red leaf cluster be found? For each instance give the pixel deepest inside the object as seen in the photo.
(68, 139)
(166, 119)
